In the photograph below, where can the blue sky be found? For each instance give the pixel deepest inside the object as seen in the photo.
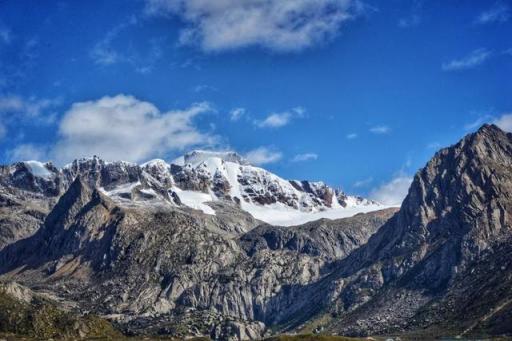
(358, 94)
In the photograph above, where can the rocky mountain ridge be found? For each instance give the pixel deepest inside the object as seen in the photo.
(197, 178)
(439, 266)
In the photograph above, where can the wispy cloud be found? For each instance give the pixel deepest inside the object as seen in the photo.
(263, 156)
(27, 107)
(237, 113)
(28, 151)
(434, 145)
(282, 26)
(380, 130)
(277, 120)
(474, 59)
(15, 108)
(304, 157)
(204, 87)
(363, 183)
(498, 13)
(351, 136)
(105, 53)
(481, 119)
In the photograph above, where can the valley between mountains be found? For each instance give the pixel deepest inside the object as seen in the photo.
(210, 245)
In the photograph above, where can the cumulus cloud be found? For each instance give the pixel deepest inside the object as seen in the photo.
(278, 25)
(393, 192)
(236, 114)
(125, 128)
(263, 155)
(474, 59)
(305, 157)
(380, 130)
(504, 122)
(277, 120)
(498, 13)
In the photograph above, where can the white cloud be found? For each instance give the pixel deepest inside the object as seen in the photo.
(106, 53)
(498, 13)
(393, 192)
(26, 152)
(263, 155)
(277, 120)
(504, 122)
(305, 157)
(434, 145)
(478, 122)
(28, 107)
(363, 183)
(475, 58)
(15, 108)
(237, 113)
(278, 25)
(125, 128)
(380, 130)
(204, 87)
(351, 136)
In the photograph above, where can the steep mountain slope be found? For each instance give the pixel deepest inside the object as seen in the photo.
(25, 199)
(28, 190)
(163, 269)
(120, 246)
(441, 265)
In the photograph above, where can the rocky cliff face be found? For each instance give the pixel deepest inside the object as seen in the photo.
(28, 190)
(150, 266)
(119, 247)
(423, 269)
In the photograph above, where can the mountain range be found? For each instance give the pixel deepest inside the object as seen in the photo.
(209, 245)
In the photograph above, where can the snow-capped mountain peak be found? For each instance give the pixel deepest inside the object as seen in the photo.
(197, 156)
(194, 180)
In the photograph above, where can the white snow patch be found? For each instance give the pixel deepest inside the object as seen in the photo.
(38, 169)
(280, 214)
(195, 200)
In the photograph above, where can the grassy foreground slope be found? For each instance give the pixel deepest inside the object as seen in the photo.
(25, 314)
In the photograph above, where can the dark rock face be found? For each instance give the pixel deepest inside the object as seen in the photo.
(174, 265)
(418, 271)
(440, 266)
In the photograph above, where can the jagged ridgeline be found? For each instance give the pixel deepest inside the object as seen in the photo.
(188, 248)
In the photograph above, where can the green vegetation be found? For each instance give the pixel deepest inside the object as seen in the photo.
(40, 319)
